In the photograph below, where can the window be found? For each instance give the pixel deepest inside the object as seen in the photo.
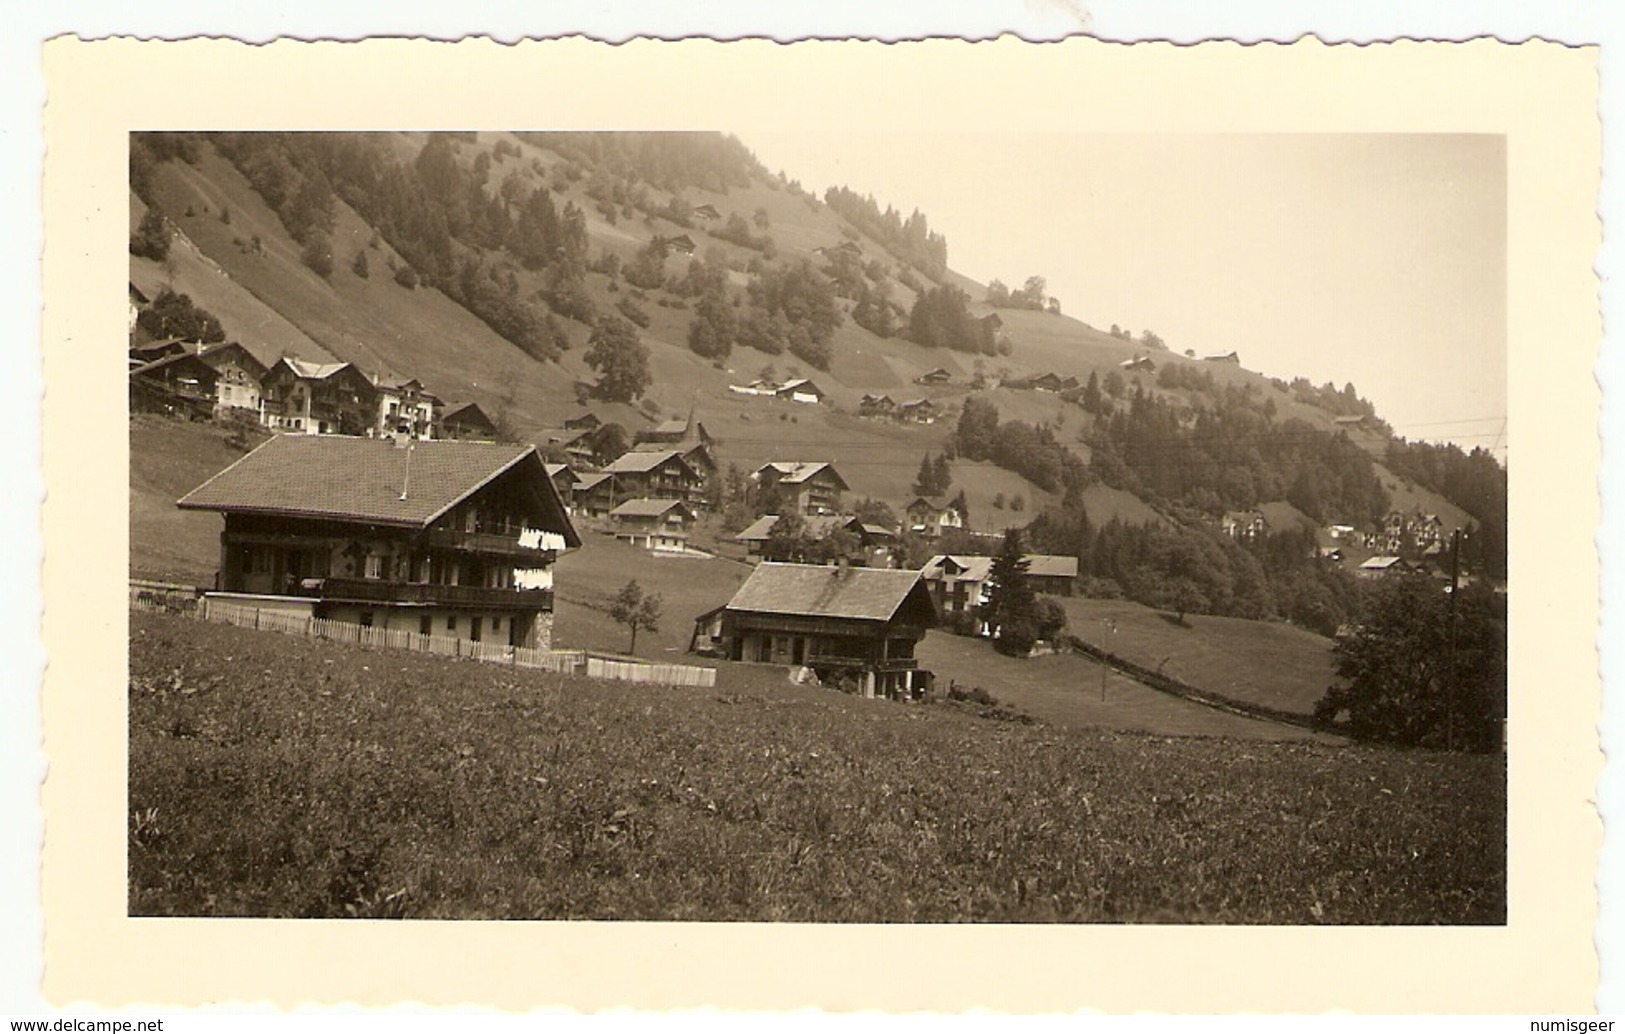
(451, 622)
(366, 619)
(474, 629)
(496, 625)
(375, 566)
(424, 624)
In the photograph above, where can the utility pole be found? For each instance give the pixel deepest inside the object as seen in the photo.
(1450, 677)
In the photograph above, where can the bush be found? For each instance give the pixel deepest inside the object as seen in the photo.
(407, 277)
(151, 238)
(318, 255)
(633, 311)
(359, 266)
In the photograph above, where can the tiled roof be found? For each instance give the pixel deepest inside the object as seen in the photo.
(863, 593)
(313, 371)
(588, 482)
(361, 479)
(797, 472)
(645, 507)
(1051, 566)
(815, 527)
(966, 568)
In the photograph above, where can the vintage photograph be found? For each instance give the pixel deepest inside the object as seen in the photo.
(836, 527)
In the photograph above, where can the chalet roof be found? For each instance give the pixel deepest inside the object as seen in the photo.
(1381, 563)
(920, 502)
(171, 360)
(1044, 566)
(861, 593)
(677, 426)
(918, 404)
(307, 370)
(466, 413)
(555, 469)
(958, 566)
(648, 508)
(800, 384)
(817, 526)
(361, 479)
(635, 462)
(213, 354)
(796, 472)
(588, 482)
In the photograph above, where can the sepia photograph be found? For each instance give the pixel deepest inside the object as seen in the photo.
(581, 551)
(1141, 559)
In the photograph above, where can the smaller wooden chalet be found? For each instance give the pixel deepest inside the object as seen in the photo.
(1383, 567)
(1054, 575)
(653, 523)
(438, 538)
(877, 406)
(141, 355)
(577, 445)
(845, 623)
(806, 488)
(682, 242)
(672, 432)
(655, 475)
(179, 384)
(238, 375)
(595, 494)
(317, 398)
(918, 411)
(760, 544)
(800, 389)
(1139, 362)
(1228, 357)
(937, 376)
(587, 421)
(564, 483)
(1050, 382)
(696, 454)
(930, 518)
(706, 212)
(468, 421)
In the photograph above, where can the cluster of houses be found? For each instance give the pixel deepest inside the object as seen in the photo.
(912, 411)
(291, 395)
(797, 389)
(1405, 542)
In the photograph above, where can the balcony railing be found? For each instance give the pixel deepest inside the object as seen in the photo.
(367, 590)
(824, 660)
(486, 542)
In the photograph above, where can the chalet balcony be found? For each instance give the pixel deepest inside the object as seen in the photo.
(826, 660)
(487, 543)
(367, 590)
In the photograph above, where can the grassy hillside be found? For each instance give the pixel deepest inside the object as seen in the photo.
(274, 776)
(1258, 662)
(169, 458)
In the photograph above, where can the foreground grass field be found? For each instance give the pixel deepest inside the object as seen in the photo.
(278, 776)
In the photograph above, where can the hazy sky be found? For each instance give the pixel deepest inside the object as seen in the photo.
(1376, 259)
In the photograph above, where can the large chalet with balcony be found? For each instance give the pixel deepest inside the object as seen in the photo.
(810, 489)
(318, 398)
(845, 623)
(444, 538)
(655, 475)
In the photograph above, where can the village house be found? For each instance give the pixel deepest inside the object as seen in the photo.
(578, 446)
(468, 421)
(180, 384)
(876, 406)
(655, 475)
(660, 524)
(443, 538)
(918, 411)
(594, 494)
(959, 588)
(237, 378)
(696, 454)
(1139, 362)
(1383, 566)
(564, 483)
(800, 389)
(672, 432)
(937, 376)
(706, 212)
(317, 398)
(806, 488)
(1053, 575)
(844, 623)
(405, 408)
(931, 518)
(587, 421)
(1228, 357)
(871, 543)
(682, 243)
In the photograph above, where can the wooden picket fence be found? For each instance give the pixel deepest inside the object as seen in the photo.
(568, 662)
(663, 674)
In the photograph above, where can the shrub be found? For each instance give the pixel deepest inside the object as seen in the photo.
(407, 277)
(318, 255)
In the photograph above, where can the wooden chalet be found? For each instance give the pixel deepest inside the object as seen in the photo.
(468, 421)
(406, 408)
(564, 483)
(930, 518)
(706, 212)
(877, 406)
(959, 587)
(444, 538)
(760, 544)
(1228, 357)
(317, 398)
(806, 488)
(595, 494)
(937, 376)
(801, 389)
(845, 623)
(660, 524)
(1139, 362)
(1054, 575)
(587, 421)
(178, 384)
(918, 411)
(671, 432)
(655, 475)
(1244, 525)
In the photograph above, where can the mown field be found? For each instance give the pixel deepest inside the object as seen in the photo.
(274, 776)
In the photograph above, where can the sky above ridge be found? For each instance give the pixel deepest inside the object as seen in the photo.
(1377, 259)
